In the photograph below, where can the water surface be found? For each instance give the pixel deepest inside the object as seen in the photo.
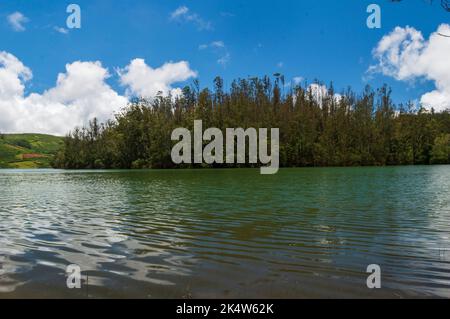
(225, 233)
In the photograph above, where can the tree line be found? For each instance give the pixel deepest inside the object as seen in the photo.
(350, 129)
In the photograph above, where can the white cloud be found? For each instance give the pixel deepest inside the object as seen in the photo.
(80, 94)
(320, 92)
(184, 14)
(218, 44)
(61, 30)
(225, 59)
(297, 80)
(17, 20)
(142, 80)
(179, 12)
(405, 55)
(214, 45)
(219, 48)
(12, 75)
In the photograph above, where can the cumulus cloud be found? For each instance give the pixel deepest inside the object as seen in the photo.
(184, 14)
(12, 75)
(80, 94)
(142, 80)
(17, 20)
(406, 55)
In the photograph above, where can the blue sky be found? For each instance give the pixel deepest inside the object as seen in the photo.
(326, 40)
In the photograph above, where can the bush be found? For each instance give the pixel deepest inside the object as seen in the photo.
(139, 164)
(22, 143)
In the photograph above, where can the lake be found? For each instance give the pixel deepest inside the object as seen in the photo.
(302, 233)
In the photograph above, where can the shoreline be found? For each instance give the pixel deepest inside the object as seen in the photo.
(212, 168)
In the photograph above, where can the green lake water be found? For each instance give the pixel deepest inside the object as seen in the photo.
(226, 233)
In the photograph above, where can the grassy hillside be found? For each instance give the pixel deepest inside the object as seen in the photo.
(28, 150)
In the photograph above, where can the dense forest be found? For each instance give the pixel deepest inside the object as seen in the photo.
(349, 129)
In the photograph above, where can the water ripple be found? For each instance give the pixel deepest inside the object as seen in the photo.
(226, 233)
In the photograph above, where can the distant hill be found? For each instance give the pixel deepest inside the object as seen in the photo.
(28, 150)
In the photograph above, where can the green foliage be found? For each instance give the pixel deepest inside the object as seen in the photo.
(355, 130)
(440, 153)
(22, 143)
(14, 146)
